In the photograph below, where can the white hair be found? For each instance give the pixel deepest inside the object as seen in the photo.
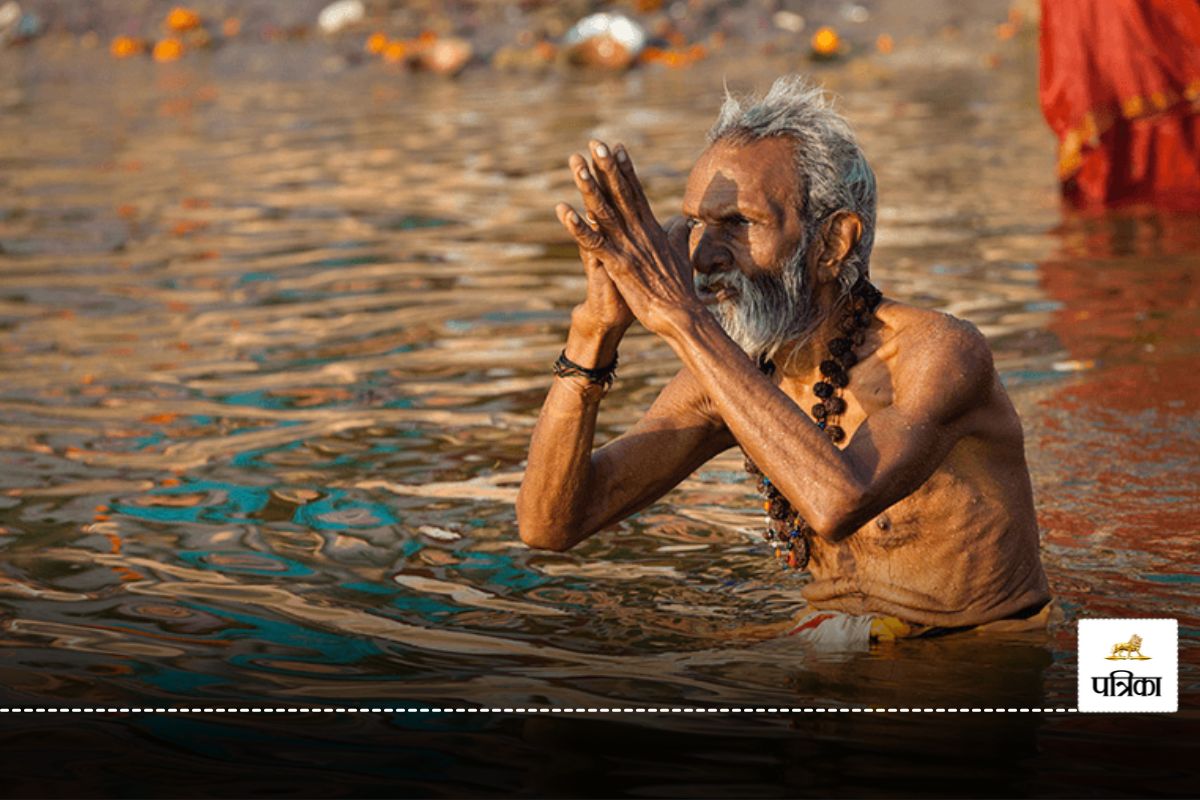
(830, 166)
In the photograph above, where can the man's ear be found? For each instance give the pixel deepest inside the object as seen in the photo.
(839, 235)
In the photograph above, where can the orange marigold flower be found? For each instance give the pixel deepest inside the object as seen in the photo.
(126, 46)
(394, 53)
(182, 19)
(376, 43)
(825, 42)
(170, 49)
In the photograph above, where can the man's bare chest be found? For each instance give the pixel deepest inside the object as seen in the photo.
(868, 392)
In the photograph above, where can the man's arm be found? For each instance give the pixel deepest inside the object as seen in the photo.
(890, 455)
(569, 492)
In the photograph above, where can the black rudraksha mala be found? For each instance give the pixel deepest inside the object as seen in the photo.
(786, 530)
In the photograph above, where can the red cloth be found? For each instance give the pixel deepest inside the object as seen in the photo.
(1120, 86)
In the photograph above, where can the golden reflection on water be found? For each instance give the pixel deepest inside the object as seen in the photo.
(273, 347)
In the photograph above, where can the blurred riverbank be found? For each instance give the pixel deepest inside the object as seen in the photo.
(529, 36)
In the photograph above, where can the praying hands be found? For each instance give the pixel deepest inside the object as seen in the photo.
(619, 233)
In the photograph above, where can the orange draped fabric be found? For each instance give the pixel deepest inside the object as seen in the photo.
(1120, 86)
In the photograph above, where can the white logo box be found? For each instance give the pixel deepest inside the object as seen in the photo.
(1128, 675)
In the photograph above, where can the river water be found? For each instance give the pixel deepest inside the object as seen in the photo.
(274, 334)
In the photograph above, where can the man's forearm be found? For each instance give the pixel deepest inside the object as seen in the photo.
(552, 503)
(769, 426)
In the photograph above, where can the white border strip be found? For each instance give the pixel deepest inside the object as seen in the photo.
(519, 710)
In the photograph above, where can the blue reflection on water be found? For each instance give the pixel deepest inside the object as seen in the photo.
(228, 502)
(1020, 377)
(326, 648)
(251, 458)
(425, 607)
(257, 399)
(238, 504)
(370, 588)
(256, 277)
(174, 681)
(500, 569)
(1181, 577)
(316, 514)
(143, 442)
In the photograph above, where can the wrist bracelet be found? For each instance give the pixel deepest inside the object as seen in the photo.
(602, 376)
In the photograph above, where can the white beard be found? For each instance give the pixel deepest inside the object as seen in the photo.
(767, 311)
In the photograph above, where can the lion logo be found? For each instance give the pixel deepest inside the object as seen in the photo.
(1127, 650)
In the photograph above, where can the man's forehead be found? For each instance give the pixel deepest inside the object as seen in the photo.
(758, 172)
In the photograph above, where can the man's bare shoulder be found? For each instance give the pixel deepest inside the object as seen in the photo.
(936, 357)
(923, 335)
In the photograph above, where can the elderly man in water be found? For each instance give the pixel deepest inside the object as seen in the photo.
(889, 456)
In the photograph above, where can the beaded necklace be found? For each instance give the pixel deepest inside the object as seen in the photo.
(786, 530)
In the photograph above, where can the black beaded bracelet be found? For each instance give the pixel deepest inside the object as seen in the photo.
(603, 376)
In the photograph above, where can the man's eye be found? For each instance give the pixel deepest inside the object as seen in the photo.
(739, 220)
(692, 223)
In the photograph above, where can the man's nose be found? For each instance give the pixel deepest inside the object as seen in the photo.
(709, 258)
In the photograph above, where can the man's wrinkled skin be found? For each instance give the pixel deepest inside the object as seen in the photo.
(926, 514)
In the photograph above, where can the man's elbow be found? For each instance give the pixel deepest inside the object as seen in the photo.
(838, 520)
(558, 540)
(537, 528)
(539, 541)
